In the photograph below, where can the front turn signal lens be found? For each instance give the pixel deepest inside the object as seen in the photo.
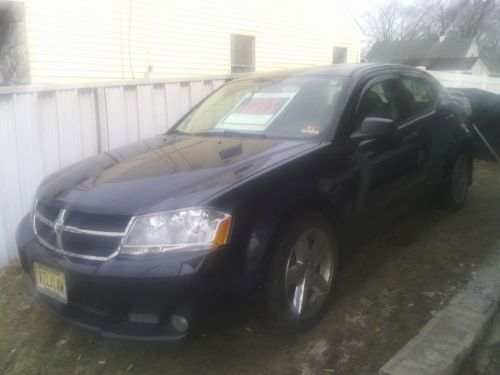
(222, 232)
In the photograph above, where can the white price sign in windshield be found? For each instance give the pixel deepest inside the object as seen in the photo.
(256, 112)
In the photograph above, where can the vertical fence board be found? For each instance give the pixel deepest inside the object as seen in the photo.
(147, 127)
(102, 119)
(196, 92)
(218, 83)
(117, 131)
(208, 87)
(48, 131)
(29, 162)
(68, 116)
(10, 176)
(28, 147)
(88, 119)
(131, 114)
(159, 104)
(174, 105)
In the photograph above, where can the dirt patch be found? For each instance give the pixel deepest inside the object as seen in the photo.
(385, 292)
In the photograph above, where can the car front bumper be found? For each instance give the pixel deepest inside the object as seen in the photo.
(132, 297)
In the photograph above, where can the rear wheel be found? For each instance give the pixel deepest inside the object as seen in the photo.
(458, 182)
(302, 272)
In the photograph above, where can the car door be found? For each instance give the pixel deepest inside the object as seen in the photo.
(388, 165)
(417, 129)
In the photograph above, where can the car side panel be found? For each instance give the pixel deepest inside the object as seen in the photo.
(322, 181)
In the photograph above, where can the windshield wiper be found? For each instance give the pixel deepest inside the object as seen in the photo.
(230, 133)
(175, 131)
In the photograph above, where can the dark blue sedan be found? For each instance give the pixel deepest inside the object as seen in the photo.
(264, 186)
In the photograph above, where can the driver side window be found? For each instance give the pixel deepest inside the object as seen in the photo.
(378, 101)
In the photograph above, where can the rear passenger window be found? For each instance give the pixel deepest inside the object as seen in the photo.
(419, 93)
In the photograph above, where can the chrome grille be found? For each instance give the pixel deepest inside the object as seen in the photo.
(77, 234)
(90, 245)
(46, 232)
(105, 223)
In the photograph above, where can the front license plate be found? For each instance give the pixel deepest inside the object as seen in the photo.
(50, 282)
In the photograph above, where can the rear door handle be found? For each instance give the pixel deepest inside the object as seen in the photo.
(412, 138)
(449, 117)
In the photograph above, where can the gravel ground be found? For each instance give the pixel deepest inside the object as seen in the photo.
(385, 292)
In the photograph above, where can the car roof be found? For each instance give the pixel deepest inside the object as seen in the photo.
(341, 70)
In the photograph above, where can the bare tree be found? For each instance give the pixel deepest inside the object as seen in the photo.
(442, 15)
(396, 21)
(380, 22)
(473, 16)
(479, 19)
(425, 19)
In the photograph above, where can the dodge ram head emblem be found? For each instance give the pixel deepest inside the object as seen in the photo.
(59, 226)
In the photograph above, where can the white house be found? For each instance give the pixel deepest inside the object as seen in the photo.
(103, 40)
(457, 55)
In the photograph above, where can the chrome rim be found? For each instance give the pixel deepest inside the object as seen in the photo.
(459, 179)
(309, 272)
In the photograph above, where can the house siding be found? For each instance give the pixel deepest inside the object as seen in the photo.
(118, 39)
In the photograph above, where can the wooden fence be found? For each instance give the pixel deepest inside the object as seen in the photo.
(45, 129)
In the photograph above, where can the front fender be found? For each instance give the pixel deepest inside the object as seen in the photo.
(274, 212)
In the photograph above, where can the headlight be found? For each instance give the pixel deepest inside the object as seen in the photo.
(178, 230)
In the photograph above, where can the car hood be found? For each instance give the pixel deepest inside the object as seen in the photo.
(165, 172)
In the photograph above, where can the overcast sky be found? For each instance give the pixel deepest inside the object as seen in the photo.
(358, 7)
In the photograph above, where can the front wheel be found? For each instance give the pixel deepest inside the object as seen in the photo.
(302, 273)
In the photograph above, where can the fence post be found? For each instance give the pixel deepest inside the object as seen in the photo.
(102, 120)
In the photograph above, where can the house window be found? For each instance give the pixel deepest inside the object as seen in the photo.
(242, 53)
(339, 55)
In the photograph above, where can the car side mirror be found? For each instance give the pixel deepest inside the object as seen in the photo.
(374, 127)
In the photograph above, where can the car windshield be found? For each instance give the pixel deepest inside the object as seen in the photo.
(296, 107)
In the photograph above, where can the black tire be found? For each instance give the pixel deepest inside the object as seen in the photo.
(310, 229)
(458, 180)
